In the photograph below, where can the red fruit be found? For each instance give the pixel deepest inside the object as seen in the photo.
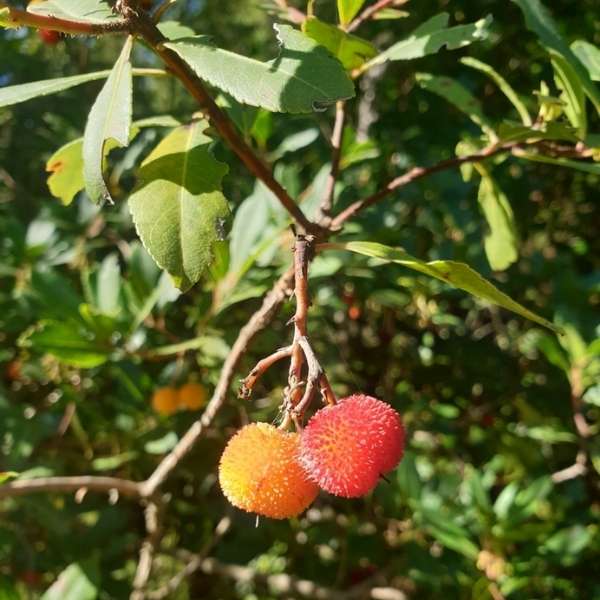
(259, 472)
(49, 37)
(346, 448)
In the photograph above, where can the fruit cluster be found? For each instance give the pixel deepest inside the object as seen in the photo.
(344, 450)
(168, 400)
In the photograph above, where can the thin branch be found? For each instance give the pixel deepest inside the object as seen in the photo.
(152, 520)
(194, 563)
(293, 14)
(336, 154)
(577, 469)
(147, 30)
(371, 11)
(260, 369)
(66, 485)
(22, 18)
(313, 378)
(259, 321)
(418, 173)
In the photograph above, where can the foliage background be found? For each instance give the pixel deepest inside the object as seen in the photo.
(486, 396)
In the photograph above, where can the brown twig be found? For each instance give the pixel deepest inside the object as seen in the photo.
(418, 173)
(260, 369)
(259, 320)
(293, 14)
(336, 154)
(369, 12)
(152, 521)
(313, 378)
(22, 18)
(66, 485)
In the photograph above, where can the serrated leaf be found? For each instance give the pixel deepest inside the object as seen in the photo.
(14, 94)
(89, 11)
(351, 51)
(78, 581)
(457, 274)
(69, 342)
(66, 164)
(589, 55)
(539, 21)
(504, 86)
(501, 239)
(455, 93)
(303, 78)
(348, 9)
(177, 207)
(431, 37)
(109, 119)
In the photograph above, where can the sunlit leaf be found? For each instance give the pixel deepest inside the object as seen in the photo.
(454, 273)
(348, 9)
(109, 119)
(79, 581)
(303, 78)
(589, 55)
(177, 206)
(89, 11)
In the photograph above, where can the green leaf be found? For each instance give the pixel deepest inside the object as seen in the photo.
(6, 475)
(589, 55)
(390, 13)
(504, 86)
(14, 94)
(66, 164)
(162, 445)
(174, 30)
(572, 94)
(459, 96)
(79, 581)
(352, 51)
(457, 274)
(177, 207)
(68, 341)
(579, 165)
(89, 11)
(551, 130)
(109, 119)
(303, 78)
(449, 533)
(501, 239)
(8, 590)
(348, 9)
(539, 21)
(431, 37)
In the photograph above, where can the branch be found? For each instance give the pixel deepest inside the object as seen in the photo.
(371, 11)
(148, 31)
(259, 320)
(22, 18)
(66, 485)
(418, 173)
(336, 154)
(293, 14)
(260, 369)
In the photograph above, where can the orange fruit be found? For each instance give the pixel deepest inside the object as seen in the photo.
(259, 472)
(165, 401)
(192, 396)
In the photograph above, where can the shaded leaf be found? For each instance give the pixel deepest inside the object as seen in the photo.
(539, 21)
(177, 207)
(579, 165)
(458, 95)
(449, 534)
(501, 239)
(573, 94)
(109, 118)
(68, 341)
(303, 78)
(431, 37)
(455, 273)
(352, 51)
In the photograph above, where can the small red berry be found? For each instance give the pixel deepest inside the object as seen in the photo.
(49, 36)
(346, 448)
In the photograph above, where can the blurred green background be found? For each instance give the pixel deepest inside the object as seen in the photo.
(480, 507)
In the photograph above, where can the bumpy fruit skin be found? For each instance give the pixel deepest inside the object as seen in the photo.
(165, 401)
(192, 396)
(346, 448)
(259, 472)
(49, 37)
